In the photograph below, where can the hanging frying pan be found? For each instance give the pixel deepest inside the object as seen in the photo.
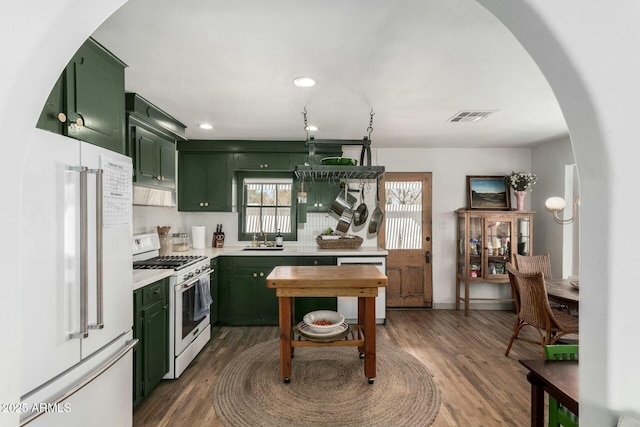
(361, 213)
(376, 217)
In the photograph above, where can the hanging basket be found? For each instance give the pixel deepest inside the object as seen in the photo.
(341, 243)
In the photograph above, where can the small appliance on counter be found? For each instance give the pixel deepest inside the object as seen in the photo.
(218, 237)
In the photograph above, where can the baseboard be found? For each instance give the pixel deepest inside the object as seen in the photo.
(475, 306)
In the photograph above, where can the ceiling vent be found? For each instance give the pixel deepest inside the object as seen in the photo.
(470, 116)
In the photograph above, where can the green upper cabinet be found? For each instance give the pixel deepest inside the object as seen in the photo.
(87, 102)
(322, 192)
(204, 181)
(152, 135)
(263, 161)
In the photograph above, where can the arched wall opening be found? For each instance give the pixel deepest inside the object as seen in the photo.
(50, 32)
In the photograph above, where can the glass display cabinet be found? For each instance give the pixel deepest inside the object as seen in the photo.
(487, 240)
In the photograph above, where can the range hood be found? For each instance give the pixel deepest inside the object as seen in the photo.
(312, 171)
(147, 196)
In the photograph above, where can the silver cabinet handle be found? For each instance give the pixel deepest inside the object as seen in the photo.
(99, 252)
(84, 255)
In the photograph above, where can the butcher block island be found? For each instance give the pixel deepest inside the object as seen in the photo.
(361, 281)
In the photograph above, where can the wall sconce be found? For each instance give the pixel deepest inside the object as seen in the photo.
(556, 204)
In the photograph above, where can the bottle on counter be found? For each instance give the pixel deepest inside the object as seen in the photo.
(279, 239)
(255, 243)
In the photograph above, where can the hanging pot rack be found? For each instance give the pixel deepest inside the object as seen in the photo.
(365, 171)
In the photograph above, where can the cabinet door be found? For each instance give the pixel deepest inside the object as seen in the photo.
(269, 306)
(55, 105)
(204, 182)
(167, 151)
(497, 247)
(156, 344)
(321, 194)
(147, 156)
(214, 278)
(263, 161)
(238, 297)
(95, 93)
(192, 180)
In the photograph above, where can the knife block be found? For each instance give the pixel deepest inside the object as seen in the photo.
(218, 240)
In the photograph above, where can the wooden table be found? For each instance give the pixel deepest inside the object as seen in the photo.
(561, 292)
(559, 378)
(360, 281)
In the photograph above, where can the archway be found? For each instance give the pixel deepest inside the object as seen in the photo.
(49, 33)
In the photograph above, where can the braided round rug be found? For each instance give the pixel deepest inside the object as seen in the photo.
(327, 388)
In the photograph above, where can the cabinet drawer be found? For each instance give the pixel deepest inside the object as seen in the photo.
(263, 161)
(323, 260)
(154, 292)
(263, 261)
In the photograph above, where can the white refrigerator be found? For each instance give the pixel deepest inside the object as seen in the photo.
(76, 265)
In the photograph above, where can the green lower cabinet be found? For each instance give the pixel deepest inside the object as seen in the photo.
(303, 306)
(214, 279)
(243, 294)
(244, 297)
(151, 327)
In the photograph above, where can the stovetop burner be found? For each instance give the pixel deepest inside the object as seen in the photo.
(175, 262)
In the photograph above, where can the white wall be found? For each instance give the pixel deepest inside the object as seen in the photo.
(548, 162)
(449, 168)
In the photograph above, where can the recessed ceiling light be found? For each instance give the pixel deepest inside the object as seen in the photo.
(205, 126)
(311, 128)
(304, 81)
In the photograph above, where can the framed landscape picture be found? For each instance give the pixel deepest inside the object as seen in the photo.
(488, 192)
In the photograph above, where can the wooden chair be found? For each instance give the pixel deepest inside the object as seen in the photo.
(535, 311)
(534, 263)
(558, 414)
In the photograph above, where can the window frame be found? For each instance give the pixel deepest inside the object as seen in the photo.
(242, 207)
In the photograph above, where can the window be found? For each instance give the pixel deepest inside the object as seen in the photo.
(267, 206)
(403, 206)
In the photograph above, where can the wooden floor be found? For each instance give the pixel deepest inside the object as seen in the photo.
(479, 386)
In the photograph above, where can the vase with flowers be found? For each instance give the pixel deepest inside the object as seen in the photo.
(521, 182)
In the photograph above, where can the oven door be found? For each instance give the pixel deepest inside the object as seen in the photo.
(188, 323)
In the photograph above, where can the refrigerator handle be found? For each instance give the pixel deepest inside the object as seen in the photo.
(84, 255)
(65, 394)
(99, 252)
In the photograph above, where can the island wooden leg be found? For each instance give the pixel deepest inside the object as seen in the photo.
(370, 338)
(361, 311)
(285, 337)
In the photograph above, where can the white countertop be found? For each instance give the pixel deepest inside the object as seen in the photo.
(146, 277)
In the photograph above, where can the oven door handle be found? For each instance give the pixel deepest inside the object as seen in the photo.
(190, 283)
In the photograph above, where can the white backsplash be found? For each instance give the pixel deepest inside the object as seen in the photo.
(147, 218)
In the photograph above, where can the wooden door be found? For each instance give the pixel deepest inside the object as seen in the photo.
(405, 198)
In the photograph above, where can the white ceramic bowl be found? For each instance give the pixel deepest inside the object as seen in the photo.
(333, 318)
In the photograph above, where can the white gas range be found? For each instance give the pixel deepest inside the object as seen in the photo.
(189, 299)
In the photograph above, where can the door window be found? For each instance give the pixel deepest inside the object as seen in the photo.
(403, 207)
